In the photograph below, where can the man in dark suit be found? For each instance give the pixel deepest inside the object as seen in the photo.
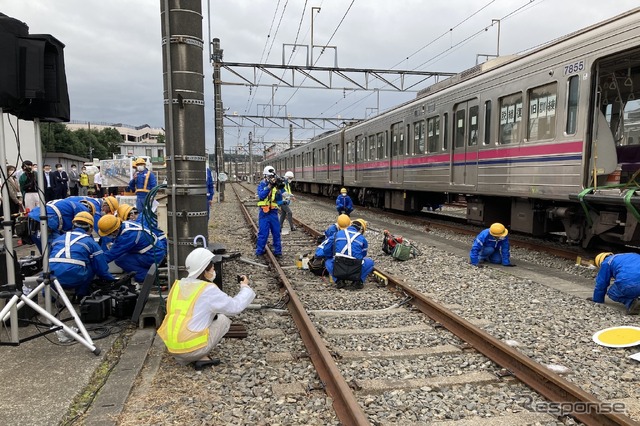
(61, 182)
(74, 181)
(49, 184)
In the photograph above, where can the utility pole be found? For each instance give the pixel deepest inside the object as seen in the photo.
(290, 136)
(250, 157)
(216, 58)
(184, 121)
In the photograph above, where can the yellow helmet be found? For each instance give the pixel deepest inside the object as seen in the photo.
(498, 230)
(108, 224)
(360, 224)
(601, 257)
(140, 162)
(84, 217)
(89, 205)
(344, 221)
(343, 191)
(124, 210)
(112, 203)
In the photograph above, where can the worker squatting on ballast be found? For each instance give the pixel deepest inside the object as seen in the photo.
(346, 253)
(491, 244)
(624, 269)
(197, 312)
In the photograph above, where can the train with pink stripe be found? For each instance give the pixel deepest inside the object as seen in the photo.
(547, 141)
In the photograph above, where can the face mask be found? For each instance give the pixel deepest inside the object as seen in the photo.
(47, 170)
(73, 168)
(59, 169)
(210, 276)
(140, 168)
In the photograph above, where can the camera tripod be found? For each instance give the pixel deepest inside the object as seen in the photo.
(19, 300)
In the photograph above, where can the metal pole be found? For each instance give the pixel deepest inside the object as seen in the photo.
(44, 228)
(216, 58)
(290, 136)
(184, 121)
(250, 157)
(311, 50)
(498, 46)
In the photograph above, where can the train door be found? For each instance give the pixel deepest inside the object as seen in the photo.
(398, 150)
(464, 149)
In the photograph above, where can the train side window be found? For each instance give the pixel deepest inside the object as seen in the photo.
(348, 152)
(542, 112)
(473, 125)
(372, 147)
(572, 104)
(418, 137)
(380, 137)
(458, 134)
(510, 118)
(487, 123)
(445, 131)
(396, 139)
(433, 134)
(408, 149)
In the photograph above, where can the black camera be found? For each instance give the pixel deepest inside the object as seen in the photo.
(277, 181)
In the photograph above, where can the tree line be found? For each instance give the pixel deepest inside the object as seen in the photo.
(56, 137)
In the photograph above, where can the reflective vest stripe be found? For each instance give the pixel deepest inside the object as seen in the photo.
(65, 260)
(66, 250)
(132, 226)
(146, 182)
(270, 201)
(57, 212)
(175, 327)
(346, 250)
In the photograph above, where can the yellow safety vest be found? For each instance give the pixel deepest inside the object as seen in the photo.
(287, 188)
(269, 203)
(84, 179)
(174, 330)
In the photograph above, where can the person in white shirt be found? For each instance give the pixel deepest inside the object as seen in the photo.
(197, 312)
(97, 181)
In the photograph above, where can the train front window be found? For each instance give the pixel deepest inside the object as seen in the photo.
(510, 118)
(542, 112)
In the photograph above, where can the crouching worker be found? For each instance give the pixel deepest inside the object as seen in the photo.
(623, 268)
(346, 255)
(76, 258)
(197, 312)
(492, 244)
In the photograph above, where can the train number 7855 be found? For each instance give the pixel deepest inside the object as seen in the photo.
(574, 67)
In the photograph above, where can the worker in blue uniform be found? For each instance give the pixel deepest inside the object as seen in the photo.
(60, 214)
(210, 191)
(349, 246)
(134, 248)
(269, 196)
(94, 205)
(129, 213)
(143, 182)
(343, 222)
(491, 244)
(624, 269)
(76, 258)
(317, 261)
(344, 205)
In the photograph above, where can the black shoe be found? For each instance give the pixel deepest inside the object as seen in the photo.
(634, 308)
(204, 363)
(278, 255)
(340, 284)
(294, 228)
(358, 285)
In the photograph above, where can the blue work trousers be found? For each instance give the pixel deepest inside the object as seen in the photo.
(268, 222)
(490, 254)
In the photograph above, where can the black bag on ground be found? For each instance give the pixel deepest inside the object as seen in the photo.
(316, 265)
(346, 268)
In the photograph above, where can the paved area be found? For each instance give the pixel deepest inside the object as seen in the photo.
(42, 377)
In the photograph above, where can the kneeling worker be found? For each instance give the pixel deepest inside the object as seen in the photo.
(492, 244)
(196, 317)
(347, 257)
(623, 268)
(76, 258)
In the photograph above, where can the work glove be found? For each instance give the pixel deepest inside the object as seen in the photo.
(590, 299)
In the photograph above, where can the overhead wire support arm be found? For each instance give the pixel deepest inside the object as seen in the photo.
(385, 76)
(283, 122)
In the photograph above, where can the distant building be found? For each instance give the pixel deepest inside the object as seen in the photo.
(53, 158)
(136, 140)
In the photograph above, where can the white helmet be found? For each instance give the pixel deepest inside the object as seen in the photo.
(197, 261)
(289, 175)
(269, 171)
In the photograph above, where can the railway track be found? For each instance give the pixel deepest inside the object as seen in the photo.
(389, 341)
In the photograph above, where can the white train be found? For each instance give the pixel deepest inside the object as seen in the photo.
(546, 141)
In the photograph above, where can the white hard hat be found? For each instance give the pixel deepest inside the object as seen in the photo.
(197, 261)
(289, 175)
(269, 171)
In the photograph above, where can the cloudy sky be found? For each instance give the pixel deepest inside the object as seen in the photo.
(114, 64)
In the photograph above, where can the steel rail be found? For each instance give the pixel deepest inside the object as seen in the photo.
(539, 378)
(344, 402)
